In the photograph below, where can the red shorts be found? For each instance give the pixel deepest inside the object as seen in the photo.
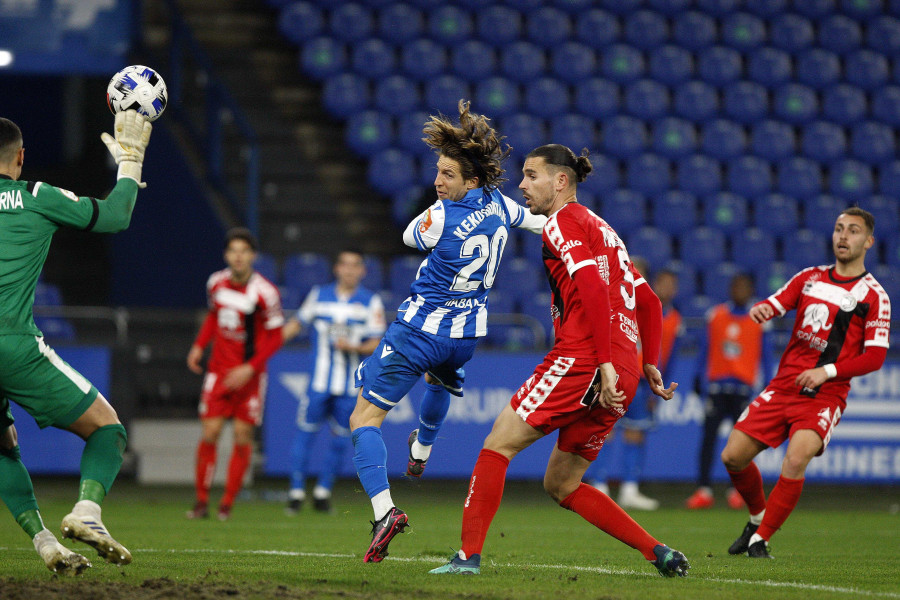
(556, 396)
(777, 413)
(245, 403)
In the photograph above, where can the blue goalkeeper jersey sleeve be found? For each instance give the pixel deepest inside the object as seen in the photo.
(466, 240)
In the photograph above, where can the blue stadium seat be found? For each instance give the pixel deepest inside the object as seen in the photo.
(597, 98)
(345, 94)
(790, 32)
(300, 21)
(56, 328)
(652, 244)
(524, 132)
(648, 174)
(886, 104)
(687, 279)
(647, 99)
(866, 69)
(369, 132)
(547, 97)
(391, 171)
(423, 59)
(696, 101)
(767, 8)
(402, 271)
(290, 299)
(873, 142)
(674, 138)
(694, 30)
(351, 22)
(499, 25)
(373, 58)
(529, 246)
(670, 8)
(450, 25)
(621, 7)
(497, 97)
(524, 5)
(752, 248)
(304, 270)
(523, 62)
(573, 130)
(725, 211)
(746, 102)
(844, 104)
(396, 95)
(839, 33)
(625, 210)
(548, 27)
(443, 94)
(574, 7)
(889, 179)
(851, 180)
(589, 200)
(820, 213)
(696, 307)
(862, 11)
(796, 103)
(322, 57)
(573, 62)
(511, 337)
(891, 251)
(671, 65)
(772, 140)
(770, 67)
(818, 68)
(772, 276)
(406, 205)
(427, 170)
(815, 9)
(883, 35)
(538, 308)
(717, 280)
(604, 178)
(48, 294)
(374, 279)
(646, 29)
(799, 178)
(699, 174)
(718, 8)
(886, 212)
(597, 28)
(824, 141)
(702, 247)
(749, 176)
(743, 31)
(805, 247)
(719, 65)
(519, 278)
(888, 276)
(409, 132)
(723, 139)
(778, 214)
(674, 211)
(473, 60)
(622, 63)
(622, 136)
(400, 23)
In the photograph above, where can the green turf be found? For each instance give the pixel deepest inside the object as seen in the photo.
(839, 543)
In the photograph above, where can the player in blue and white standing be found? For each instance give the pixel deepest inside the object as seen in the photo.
(345, 321)
(438, 326)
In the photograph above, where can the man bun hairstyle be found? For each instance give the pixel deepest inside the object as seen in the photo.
(473, 144)
(562, 157)
(867, 217)
(10, 139)
(241, 233)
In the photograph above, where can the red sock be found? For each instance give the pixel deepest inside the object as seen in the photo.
(485, 493)
(237, 466)
(749, 485)
(602, 512)
(782, 501)
(206, 468)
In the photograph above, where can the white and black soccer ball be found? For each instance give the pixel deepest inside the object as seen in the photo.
(140, 88)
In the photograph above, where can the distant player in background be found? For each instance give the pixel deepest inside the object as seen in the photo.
(438, 326)
(588, 378)
(244, 325)
(31, 373)
(639, 418)
(841, 331)
(346, 322)
(733, 361)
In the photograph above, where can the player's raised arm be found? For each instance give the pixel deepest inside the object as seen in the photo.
(521, 217)
(425, 230)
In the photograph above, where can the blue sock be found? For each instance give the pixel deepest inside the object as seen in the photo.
(370, 458)
(332, 463)
(432, 412)
(632, 461)
(299, 455)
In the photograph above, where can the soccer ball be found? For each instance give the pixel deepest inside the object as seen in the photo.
(140, 88)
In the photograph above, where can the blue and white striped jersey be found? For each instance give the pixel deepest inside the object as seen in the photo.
(330, 317)
(466, 239)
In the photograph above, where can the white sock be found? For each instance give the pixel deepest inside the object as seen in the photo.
(461, 554)
(321, 493)
(298, 494)
(758, 517)
(705, 489)
(86, 508)
(629, 488)
(420, 452)
(382, 503)
(756, 538)
(44, 536)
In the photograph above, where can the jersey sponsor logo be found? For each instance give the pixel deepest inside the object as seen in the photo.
(469, 224)
(386, 351)
(628, 327)
(569, 245)
(816, 316)
(815, 342)
(11, 199)
(880, 323)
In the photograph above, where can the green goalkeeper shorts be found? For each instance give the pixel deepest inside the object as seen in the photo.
(33, 376)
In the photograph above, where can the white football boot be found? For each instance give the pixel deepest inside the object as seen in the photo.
(57, 557)
(84, 524)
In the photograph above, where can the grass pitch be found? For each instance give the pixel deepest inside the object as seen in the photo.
(839, 543)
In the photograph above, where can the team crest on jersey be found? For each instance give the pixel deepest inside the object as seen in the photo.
(68, 194)
(816, 317)
(848, 303)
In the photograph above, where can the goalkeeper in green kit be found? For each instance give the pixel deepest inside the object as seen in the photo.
(31, 373)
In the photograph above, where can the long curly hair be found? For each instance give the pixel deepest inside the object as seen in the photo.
(473, 144)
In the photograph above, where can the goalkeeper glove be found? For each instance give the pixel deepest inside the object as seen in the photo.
(132, 132)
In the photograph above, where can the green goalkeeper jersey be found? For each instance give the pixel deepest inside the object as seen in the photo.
(30, 213)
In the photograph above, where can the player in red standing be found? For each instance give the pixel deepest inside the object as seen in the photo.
(244, 325)
(590, 375)
(841, 330)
